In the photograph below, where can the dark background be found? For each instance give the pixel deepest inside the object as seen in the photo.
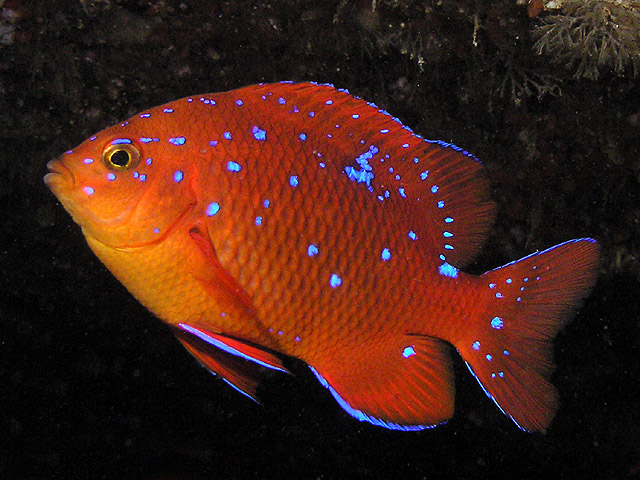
(92, 386)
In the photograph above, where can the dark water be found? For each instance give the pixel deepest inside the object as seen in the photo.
(92, 386)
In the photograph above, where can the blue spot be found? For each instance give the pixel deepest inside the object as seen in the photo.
(386, 254)
(293, 180)
(448, 220)
(489, 358)
(434, 189)
(506, 352)
(156, 230)
(519, 299)
(412, 235)
(212, 209)
(322, 165)
(111, 176)
(258, 133)
(448, 247)
(282, 101)
(177, 140)
(447, 234)
(312, 114)
(120, 141)
(233, 166)
(145, 115)
(168, 110)
(415, 160)
(266, 203)
(213, 143)
(492, 285)
(329, 102)
(143, 177)
(178, 176)
(146, 139)
(297, 339)
(136, 174)
(335, 281)
(149, 161)
(509, 280)
(227, 135)
(424, 175)
(402, 194)
(441, 204)
(312, 250)
(239, 102)
(476, 345)
(355, 115)
(88, 161)
(89, 190)
(408, 352)
(384, 130)
(93, 138)
(499, 295)
(496, 322)
(302, 136)
(448, 270)
(258, 221)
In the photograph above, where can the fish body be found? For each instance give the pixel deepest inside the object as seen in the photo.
(298, 220)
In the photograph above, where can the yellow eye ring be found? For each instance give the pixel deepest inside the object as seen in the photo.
(121, 156)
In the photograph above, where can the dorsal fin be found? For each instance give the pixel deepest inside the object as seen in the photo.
(439, 188)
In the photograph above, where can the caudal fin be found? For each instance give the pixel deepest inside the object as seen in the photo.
(509, 345)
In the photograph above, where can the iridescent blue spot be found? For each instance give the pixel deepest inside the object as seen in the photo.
(312, 250)
(397, 177)
(93, 138)
(408, 352)
(447, 234)
(506, 352)
(120, 141)
(167, 110)
(448, 270)
(212, 209)
(496, 322)
(302, 137)
(519, 299)
(329, 102)
(384, 130)
(178, 176)
(282, 101)
(149, 161)
(499, 295)
(387, 194)
(266, 203)
(386, 254)
(297, 339)
(322, 165)
(448, 220)
(412, 235)
(312, 114)
(89, 190)
(177, 140)
(213, 143)
(355, 115)
(258, 220)
(441, 204)
(293, 180)
(143, 177)
(402, 194)
(434, 189)
(111, 176)
(501, 374)
(146, 139)
(145, 115)
(335, 281)
(476, 345)
(424, 175)
(509, 280)
(415, 160)
(156, 230)
(489, 357)
(448, 247)
(136, 174)
(492, 285)
(405, 145)
(258, 133)
(239, 102)
(227, 135)
(233, 166)
(87, 161)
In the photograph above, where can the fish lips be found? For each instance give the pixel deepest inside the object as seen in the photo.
(59, 176)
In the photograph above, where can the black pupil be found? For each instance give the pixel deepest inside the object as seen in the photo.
(120, 158)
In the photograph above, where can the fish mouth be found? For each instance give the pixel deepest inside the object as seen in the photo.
(58, 173)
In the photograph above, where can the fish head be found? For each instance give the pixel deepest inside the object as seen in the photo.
(125, 190)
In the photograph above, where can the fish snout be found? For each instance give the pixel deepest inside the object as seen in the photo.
(58, 173)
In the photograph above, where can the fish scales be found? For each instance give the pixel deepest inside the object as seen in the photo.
(298, 220)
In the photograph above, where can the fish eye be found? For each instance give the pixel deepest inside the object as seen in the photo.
(120, 156)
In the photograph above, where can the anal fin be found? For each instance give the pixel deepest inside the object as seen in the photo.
(404, 384)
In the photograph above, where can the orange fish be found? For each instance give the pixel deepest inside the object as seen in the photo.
(297, 220)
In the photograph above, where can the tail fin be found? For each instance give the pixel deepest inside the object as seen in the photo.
(526, 302)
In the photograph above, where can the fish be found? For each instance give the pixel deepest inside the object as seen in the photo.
(297, 221)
